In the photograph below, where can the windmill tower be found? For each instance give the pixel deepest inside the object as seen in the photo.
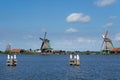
(107, 43)
(45, 47)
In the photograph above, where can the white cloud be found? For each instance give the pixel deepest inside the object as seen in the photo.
(108, 25)
(103, 3)
(64, 42)
(43, 30)
(80, 43)
(117, 37)
(112, 17)
(71, 30)
(28, 37)
(0, 43)
(85, 40)
(34, 45)
(78, 17)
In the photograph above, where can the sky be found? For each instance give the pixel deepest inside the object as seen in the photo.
(73, 25)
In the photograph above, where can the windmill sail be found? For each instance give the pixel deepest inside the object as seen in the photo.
(106, 35)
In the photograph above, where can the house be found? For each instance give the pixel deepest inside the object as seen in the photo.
(115, 50)
(15, 50)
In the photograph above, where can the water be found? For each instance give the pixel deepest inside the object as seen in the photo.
(56, 67)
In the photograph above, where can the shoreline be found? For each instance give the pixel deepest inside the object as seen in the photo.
(62, 53)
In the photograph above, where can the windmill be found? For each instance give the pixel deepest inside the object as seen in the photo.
(107, 43)
(45, 47)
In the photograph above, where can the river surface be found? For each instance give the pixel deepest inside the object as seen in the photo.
(56, 67)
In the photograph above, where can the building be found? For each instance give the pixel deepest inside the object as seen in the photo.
(15, 50)
(115, 50)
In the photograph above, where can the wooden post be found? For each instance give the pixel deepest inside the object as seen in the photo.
(78, 60)
(71, 62)
(8, 60)
(11, 61)
(74, 60)
(14, 61)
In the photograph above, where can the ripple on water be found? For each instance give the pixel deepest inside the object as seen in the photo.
(56, 67)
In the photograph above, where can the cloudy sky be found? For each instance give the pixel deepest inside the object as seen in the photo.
(70, 24)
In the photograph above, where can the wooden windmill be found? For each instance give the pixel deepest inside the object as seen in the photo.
(45, 47)
(106, 45)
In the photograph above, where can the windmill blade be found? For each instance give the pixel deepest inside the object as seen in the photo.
(103, 36)
(106, 35)
(42, 45)
(41, 39)
(45, 35)
(102, 45)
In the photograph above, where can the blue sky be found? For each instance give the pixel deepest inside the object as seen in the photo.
(70, 24)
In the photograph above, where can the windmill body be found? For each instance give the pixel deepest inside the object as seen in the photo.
(45, 47)
(107, 43)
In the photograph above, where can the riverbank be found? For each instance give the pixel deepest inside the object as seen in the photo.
(60, 53)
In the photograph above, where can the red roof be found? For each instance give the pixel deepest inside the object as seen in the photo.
(16, 50)
(56, 51)
(115, 49)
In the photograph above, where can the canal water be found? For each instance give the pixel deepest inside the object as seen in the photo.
(56, 67)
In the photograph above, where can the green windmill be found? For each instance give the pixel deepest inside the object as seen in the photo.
(45, 47)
